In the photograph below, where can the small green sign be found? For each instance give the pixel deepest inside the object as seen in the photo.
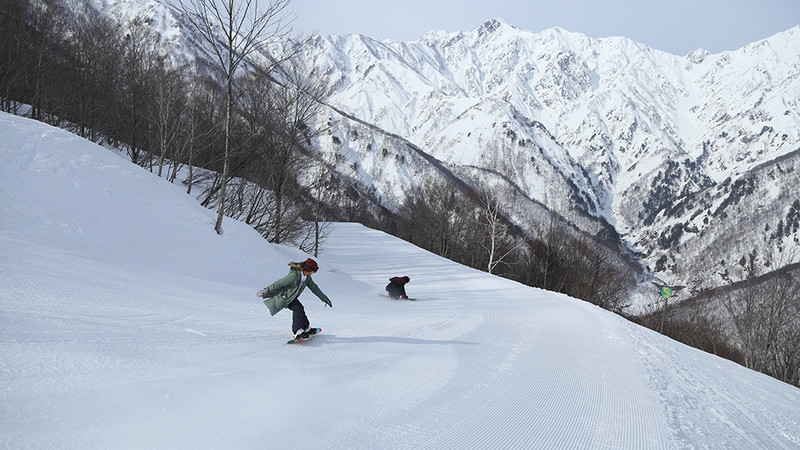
(666, 291)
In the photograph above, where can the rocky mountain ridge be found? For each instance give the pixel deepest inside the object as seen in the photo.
(607, 127)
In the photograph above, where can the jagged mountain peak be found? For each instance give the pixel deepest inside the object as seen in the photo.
(494, 25)
(630, 130)
(697, 56)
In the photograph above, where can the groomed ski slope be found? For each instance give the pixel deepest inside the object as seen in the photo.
(126, 322)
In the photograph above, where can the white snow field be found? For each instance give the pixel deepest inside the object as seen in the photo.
(126, 322)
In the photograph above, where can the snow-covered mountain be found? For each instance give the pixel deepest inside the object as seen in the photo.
(689, 158)
(654, 144)
(127, 322)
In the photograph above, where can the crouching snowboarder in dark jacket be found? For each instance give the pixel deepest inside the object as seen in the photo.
(397, 287)
(284, 292)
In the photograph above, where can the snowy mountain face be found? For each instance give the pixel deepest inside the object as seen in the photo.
(602, 131)
(609, 127)
(606, 127)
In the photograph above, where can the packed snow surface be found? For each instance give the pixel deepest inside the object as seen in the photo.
(126, 322)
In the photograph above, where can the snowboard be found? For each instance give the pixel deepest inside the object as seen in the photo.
(390, 298)
(312, 332)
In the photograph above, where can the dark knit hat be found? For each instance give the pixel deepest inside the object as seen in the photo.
(311, 265)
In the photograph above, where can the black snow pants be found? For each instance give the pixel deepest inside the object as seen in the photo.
(395, 290)
(299, 318)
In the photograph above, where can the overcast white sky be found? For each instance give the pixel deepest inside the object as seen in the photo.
(675, 26)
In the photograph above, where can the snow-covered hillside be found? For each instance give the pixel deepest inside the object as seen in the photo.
(605, 127)
(616, 108)
(126, 322)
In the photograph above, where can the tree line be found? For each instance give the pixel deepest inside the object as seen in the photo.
(754, 319)
(239, 137)
(469, 227)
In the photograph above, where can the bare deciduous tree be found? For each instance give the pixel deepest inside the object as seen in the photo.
(166, 113)
(551, 251)
(92, 68)
(437, 218)
(499, 243)
(765, 319)
(140, 54)
(765, 314)
(234, 29)
(293, 101)
(202, 121)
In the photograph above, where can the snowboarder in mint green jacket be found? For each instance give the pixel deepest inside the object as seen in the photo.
(284, 293)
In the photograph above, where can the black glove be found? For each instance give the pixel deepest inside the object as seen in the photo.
(328, 302)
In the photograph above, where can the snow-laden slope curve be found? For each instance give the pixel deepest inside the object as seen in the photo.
(532, 369)
(126, 322)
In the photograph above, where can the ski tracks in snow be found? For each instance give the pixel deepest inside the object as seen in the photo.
(740, 404)
(510, 392)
